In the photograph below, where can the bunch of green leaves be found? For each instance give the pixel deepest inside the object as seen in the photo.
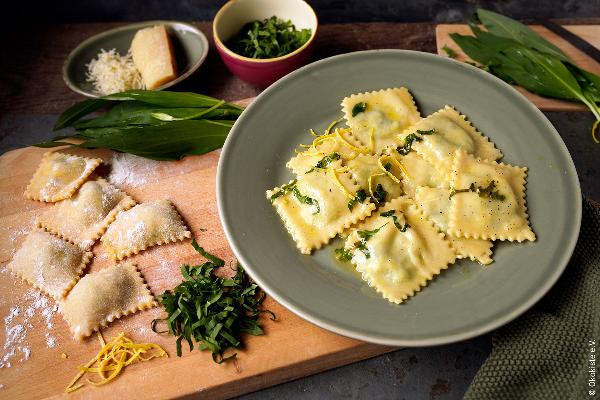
(392, 214)
(518, 55)
(361, 196)
(270, 38)
(158, 125)
(364, 236)
(325, 161)
(210, 310)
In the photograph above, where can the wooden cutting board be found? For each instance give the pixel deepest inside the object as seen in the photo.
(590, 33)
(291, 347)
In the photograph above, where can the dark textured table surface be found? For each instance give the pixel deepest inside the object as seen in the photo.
(32, 93)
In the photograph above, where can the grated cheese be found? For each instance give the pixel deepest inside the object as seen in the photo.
(112, 73)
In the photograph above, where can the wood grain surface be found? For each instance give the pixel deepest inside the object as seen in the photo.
(290, 349)
(590, 33)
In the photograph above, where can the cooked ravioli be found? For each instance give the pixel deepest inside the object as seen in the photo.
(83, 218)
(488, 200)
(437, 137)
(317, 206)
(49, 263)
(377, 117)
(419, 172)
(101, 297)
(59, 176)
(143, 226)
(435, 204)
(398, 250)
(367, 172)
(338, 142)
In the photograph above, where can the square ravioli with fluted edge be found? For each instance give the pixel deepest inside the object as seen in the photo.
(103, 296)
(59, 175)
(437, 136)
(488, 200)
(398, 250)
(83, 218)
(142, 226)
(49, 263)
(377, 117)
(435, 204)
(318, 205)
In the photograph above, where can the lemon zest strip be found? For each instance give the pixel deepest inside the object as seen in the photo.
(337, 181)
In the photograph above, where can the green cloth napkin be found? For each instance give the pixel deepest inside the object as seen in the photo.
(545, 353)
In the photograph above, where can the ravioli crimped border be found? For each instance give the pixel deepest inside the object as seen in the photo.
(347, 110)
(464, 123)
(135, 250)
(306, 247)
(427, 222)
(123, 205)
(69, 189)
(520, 197)
(86, 257)
(139, 306)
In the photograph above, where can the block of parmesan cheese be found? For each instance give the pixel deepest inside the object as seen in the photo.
(152, 54)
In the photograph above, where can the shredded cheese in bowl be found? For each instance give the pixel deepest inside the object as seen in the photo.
(111, 72)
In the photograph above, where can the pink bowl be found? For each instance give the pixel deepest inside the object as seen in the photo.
(262, 72)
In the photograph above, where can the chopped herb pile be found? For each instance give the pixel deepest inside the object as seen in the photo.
(425, 133)
(285, 189)
(270, 38)
(343, 255)
(325, 161)
(487, 191)
(392, 214)
(516, 54)
(360, 196)
(210, 310)
(358, 108)
(364, 236)
(449, 51)
(380, 194)
(306, 200)
(158, 125)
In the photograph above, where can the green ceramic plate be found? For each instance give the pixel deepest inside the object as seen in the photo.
(189, 45)
(464, 301)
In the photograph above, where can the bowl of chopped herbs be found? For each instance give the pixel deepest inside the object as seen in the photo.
(262, 40)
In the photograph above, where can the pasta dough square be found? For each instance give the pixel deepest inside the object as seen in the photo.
(49, 263)
(339, 141)
(448, 130)
(317, 206)
(385, 114)
(489, 200)
(143, 226)
(59, 176)
(435, 204)
(101, 297)
(398, 250)
(83, 218)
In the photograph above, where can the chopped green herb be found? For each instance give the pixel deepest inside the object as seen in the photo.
(429, 132)
(358, 108)
(270, 38)
(387, 166)
(325, 161)
(392, 214)
(487, 191)
(343, 255)
(380, 194)
(360, 196)
(285, 189)
(408, 142)
(212, 310)
(306, 200)
(449, 51)
(364, 236)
